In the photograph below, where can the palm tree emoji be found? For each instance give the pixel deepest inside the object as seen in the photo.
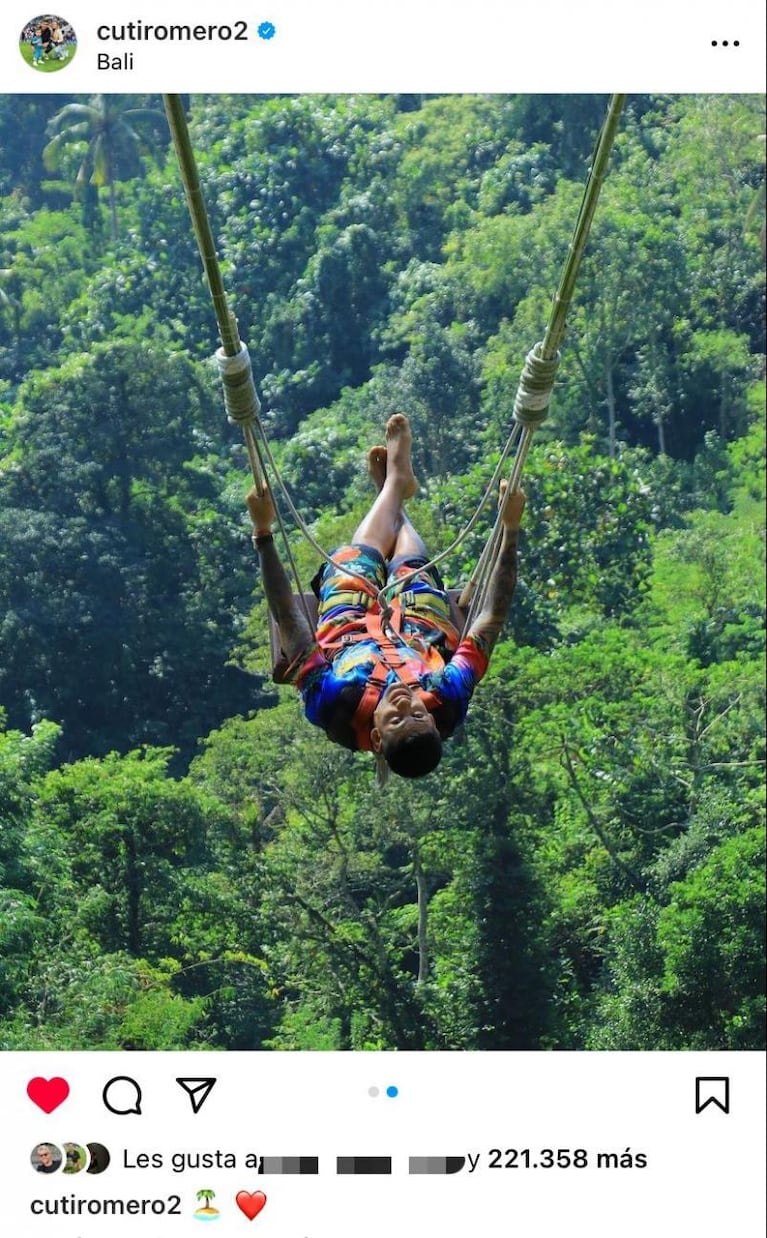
(207, 1196)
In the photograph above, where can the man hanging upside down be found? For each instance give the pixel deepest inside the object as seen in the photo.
(398, 693)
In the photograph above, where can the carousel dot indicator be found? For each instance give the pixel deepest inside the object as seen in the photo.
(374, 1091)
(392, 1091)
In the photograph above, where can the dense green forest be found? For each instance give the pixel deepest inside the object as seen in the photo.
(184, 861)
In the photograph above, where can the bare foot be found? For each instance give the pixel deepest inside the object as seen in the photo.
(399, 439)
(377, 466)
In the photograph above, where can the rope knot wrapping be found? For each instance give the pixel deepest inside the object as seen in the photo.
(536, 382)
(240, 399)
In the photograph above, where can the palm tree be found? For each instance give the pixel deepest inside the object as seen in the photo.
(207, 1196)
(114, 143)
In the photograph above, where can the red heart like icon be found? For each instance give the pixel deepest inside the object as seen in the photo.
(250, 1202)
(47, 1094)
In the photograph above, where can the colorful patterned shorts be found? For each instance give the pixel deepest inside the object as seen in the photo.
(347, 592)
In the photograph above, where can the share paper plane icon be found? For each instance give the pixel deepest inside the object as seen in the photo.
(198, 1091)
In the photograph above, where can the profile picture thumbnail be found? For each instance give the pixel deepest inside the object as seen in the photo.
(48, 43)
(46, 1158)
(99, 1158)
(75, 1158)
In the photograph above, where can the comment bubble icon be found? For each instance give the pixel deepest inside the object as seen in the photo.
(122, 1095)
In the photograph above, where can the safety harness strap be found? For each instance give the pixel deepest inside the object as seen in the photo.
(390, 657)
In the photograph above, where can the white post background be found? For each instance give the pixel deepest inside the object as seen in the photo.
(706, 1172)
(594, 46)
(704, 1176)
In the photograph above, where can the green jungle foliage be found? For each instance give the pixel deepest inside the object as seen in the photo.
(184, 861)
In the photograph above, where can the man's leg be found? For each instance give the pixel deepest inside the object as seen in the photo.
(393, 469)
(428, 612)
(407, 541)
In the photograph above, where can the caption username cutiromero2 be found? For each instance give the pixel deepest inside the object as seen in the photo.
(152, 32)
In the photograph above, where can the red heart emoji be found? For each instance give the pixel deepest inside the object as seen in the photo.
(47, 1094)
(250, 1202)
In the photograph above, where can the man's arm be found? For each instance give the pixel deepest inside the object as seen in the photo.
(295, 633)
(500, 588)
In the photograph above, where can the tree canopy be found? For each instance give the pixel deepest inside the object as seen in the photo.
(184, 862)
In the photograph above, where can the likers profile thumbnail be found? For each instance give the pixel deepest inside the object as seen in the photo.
(46, 1158)
(48, 43)
(75, 1158)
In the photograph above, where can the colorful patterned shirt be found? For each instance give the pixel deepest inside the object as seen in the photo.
(332, 683)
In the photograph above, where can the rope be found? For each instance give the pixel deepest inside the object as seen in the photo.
(265, 453)
(190, 176)
(558, 318)
(490, 488)
(475, 591)
(254, 448)
(242, 404)
(530, 404)
(240, 400)
(536, 383)
(239, 389)
(233, 360)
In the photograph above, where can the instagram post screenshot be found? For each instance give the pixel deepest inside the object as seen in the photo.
(382, 619)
